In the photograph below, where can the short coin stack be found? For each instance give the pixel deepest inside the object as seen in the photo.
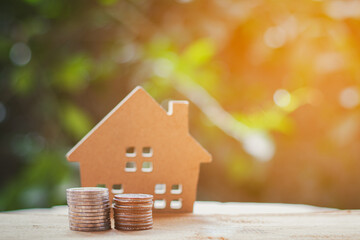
(133, 212)
(89, 209)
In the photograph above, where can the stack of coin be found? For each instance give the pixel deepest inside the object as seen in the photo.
(89, 209)
(133, 212)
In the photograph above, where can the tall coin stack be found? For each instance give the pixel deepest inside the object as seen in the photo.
(89, 209)
(133, 212)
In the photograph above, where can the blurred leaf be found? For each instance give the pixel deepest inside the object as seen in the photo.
(103, 70)
(27, 145)
(22, 82)
(5, 45)
(32, 1)
(48, 9)
(266, 120)
(51, 9)
(74, 74)
(239, 169)
(107, 2)
(37, 183)
(199, 52)
(75, 121)
(159, 46)
(35, 27)
(208, 79)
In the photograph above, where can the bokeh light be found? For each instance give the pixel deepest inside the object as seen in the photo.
(260, 146)
(282, 98)
(343, 9)
(20, 54)
(349, 97)
(163, 67)
(275, 37)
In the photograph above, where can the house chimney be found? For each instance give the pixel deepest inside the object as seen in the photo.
(179, 111)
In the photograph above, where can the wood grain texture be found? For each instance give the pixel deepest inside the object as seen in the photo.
(246, 221)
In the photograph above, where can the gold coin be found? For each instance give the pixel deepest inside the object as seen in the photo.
(89, 210)
(133, 197)
(123, 223)
(130, 207)
(86, 221)
(75, 217)
(86, 190)
(91, 229)
(132, 212)
(100, 206)
(127, 215)
(122, 228)
(82, 203)
(134, 223)
(87, 194)
(83, 213)
(132, 201)
(126, 219)
(89, 225)
(88, 199)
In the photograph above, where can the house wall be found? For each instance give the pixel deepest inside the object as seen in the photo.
(139, 182)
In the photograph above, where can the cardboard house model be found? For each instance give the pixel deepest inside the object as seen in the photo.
(140, 148)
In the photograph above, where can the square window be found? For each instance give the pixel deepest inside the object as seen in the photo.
(147, 152)
(147, 167)
(101, 185)
(176, 204)
(117, 189)
(130, 167)
(130, 152)
(176, 189)
(160, 189)
(159, 204)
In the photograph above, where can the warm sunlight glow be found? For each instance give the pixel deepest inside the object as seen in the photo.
(282, 98)
(349, 97)
(275, 37)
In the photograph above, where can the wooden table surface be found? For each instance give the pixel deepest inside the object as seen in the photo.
(210, 220)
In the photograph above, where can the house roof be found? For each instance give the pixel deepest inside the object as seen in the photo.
(178, 114)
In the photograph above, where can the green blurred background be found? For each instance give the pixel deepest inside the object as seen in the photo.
(273, 86)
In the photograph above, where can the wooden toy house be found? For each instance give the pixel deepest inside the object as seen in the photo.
(140, 148)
